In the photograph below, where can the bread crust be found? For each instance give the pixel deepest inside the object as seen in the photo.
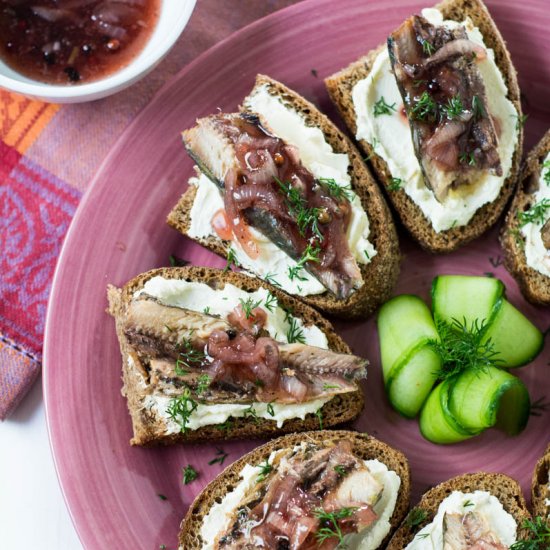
(380, 275)
(534, 285)
(539, 486)
(506, 489)
(363, 446)
(149, 431)
(340, 86)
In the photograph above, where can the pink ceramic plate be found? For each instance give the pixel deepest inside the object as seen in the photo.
(119, 231)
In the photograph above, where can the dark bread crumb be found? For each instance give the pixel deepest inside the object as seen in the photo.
(539, 486)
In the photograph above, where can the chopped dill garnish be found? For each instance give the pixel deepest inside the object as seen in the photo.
(250, 412)
(203, 383)
(311, 254)
(427, 47)
(328, 523)
(415, 517)
(189, 474)
(189, 357)
(265, 469)
(477, 107)
(546, 176)
(520, 120)
(462, 347)
(175, 261)
(270, 302)
(395, 184)
(221, 455)
(453, 108)
(539, 535)
(206, 310)
(294, 332)
(336, 190)
(340, 470)
(327, 387)
(270, 278)
(270, 409)
(383, 108)
(535, 214)
(425, 108)
(181, 408)
(319, 415)
(248, 306)
(162, 497)
(468, 503)
(231, 259)
(467, 158)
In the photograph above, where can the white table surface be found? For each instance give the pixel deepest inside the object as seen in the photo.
(33, 514)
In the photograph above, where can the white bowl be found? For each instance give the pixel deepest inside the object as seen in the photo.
(173, 17)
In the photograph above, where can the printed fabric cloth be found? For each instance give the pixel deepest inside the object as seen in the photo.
(48, 156)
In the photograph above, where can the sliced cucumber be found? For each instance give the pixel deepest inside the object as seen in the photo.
(477, 397)
(411, 381)
(515, 338)
(466, 297)
(437, 424)
(404, 323)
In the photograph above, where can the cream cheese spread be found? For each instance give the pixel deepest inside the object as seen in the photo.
(536, 254)
(219, 517)
(390, 135)
(501, 523)
(319, 158)
(198, 297)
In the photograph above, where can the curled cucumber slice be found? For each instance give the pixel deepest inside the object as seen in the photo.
(463, 297)
(483, 398)
(437, 424)
(404, 324)
(515, 338)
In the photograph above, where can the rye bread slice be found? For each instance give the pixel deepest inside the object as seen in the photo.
(534, 285)
(340, 86)
(506, 489)
(539, 486)
(365, 447)
(381, 274)
(149, 430)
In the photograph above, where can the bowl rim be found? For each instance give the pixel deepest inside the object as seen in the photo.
(126, 75)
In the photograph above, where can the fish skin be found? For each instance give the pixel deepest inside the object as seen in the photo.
(440, 162)
(147, 324)
(210, 130)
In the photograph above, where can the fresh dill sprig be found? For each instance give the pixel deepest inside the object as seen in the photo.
(189, 357)
(250, 412)
(181, 408)
(311, 254)
(265, 469)
(395, 184)
(203, 383)
(220, 457)
(383, 108)
(453, 108)
(206, 310)
(425, 108)
(319, 415)
(427, 47)
(336, 190)
(270, 278)
(270, 409)
(539, 535)
(327, 387)
(248, 306)
(467, 158)
(189, 474)
(270, 302)
(340, 470)
(176, 261)
(546, 176)
(231, 259)
(328, 523)
(462, 347)
(294, 333)
(535, 214)
(520, 120)
(467, 504)
(306, 218)
(477, 107)
(415, 517)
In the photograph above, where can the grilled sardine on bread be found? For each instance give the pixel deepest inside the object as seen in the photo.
(283, 193)
(481, 510)
(303, 491)
(214, 355)
(437, 111)
(525, 237)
